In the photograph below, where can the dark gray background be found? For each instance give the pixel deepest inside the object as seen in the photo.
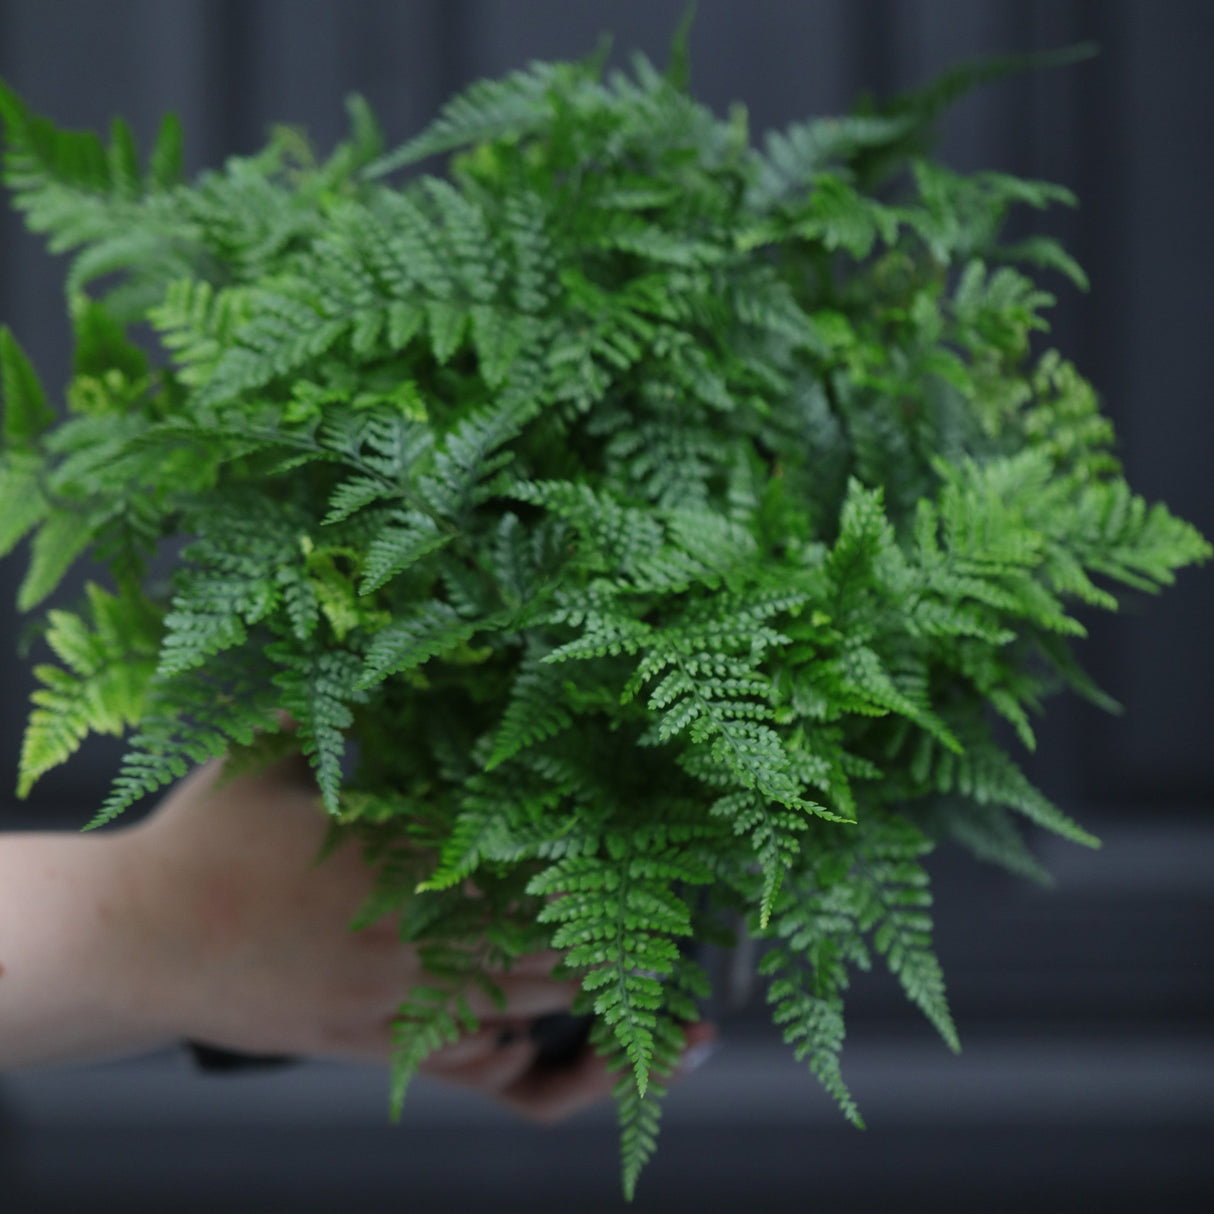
(1086, 1083)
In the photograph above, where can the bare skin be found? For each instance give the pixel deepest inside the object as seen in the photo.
(209, 921)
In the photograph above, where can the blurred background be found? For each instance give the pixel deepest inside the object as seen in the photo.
(1086, 1012)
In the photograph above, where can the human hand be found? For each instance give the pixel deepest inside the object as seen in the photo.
(245, 945)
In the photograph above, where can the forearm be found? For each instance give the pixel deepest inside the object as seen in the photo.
(69, 950)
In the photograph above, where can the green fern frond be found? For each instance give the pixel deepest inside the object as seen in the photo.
(61, 538)
(428, 1020)
(504, 820)
(773, 833)
(985, 773)
(186, 721)
(234, 576)
(988, 833)
(489, 110)
(893, 904)
(108, 660)
(795, 157)
(639, 1117)
(815, 938)
(617, 920)
(534, 713)
(814, 1025)
(317, 690)
(196, 323)
(166, 157)
(21, 479)
(473, 452)
(407, 537)
(37, 153)
(428, 632)
(24, 412)
(283, 335)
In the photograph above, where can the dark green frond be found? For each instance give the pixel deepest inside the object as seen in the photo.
(489, 110)
(414, 639)
(317, 690)
(24, 412)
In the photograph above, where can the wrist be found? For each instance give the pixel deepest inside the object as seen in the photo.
(71, 949)
(137, 982)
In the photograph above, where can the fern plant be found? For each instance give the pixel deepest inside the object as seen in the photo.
(643, 525)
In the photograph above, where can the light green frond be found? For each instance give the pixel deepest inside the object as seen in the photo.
(108, 658)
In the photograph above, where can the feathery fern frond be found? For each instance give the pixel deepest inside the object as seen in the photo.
(317, 690)
(892, 904)
(21, 480)
(24, 412)
(489, 110)
(618, 921)
(534, 713)
(424, 1023)
(186, 721)
(108, 659)
(412, 640)
(815, 939)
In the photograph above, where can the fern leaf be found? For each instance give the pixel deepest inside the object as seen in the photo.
(624, 968)
(430, 631)
(639, 1118)
(815, 937)
(186, 721)
(499, 820)
(300, 599)
(497, 339)
(21, 475)
(990, 776)
(235, 576)
(894, 902)
(58, 542)
(793, 158)
(408, 537)
(617, 919)
(351, 496)
(814, 1025)
(197, 323)
(534, 258)
(100, 689)
(282, 336)
(989, 834)
(317, 691)
(428, 1020)
(166, 157)
(774, 835)
(489, 110)
(473, 452)
(533, 714)
(24, 412)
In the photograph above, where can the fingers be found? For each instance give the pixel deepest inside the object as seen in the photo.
(499, 1060)
(535, 965)
(374, 1005)
(526, 998)
(551, 1095)
(489, 1061)
(475, 1047)
(700, 1041)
